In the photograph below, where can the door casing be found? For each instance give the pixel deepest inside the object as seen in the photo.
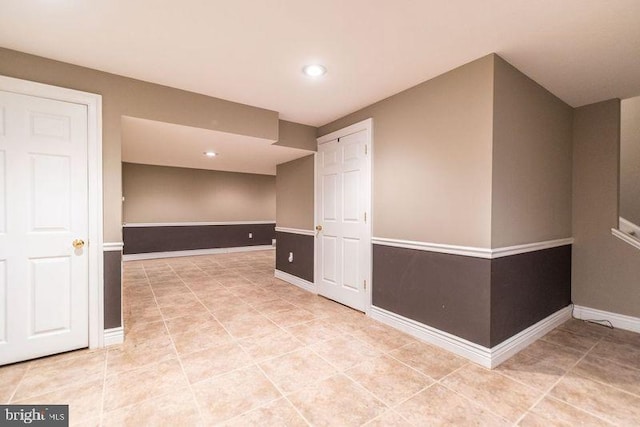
(93, 102)
(366, 125)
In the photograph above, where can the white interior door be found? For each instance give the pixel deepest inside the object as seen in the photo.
(43, 209)
(343, 242)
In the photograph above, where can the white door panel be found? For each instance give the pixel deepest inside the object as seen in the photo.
(329, 189)
(50, 295)
(351, 209)
(49, 126)
(3, 301)
(43, 172)
(345, 239)
(3, 193)
(50, 193)
(351, 257)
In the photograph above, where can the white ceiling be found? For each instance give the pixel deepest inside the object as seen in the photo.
(158, 143)
(253, 51)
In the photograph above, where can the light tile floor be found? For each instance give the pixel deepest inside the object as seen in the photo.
(218, 340)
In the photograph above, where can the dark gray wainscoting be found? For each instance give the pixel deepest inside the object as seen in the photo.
(112, 289)
(526, 288)
(485, 301)
(447, 292)
(139, 240)
(302, 247)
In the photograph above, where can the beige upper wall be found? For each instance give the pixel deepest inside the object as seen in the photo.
(295, 135)
(432, 158)
(606, 270)
(168, 194)
(125, 96)
(532, 161)
(630, 160)
(295, 194)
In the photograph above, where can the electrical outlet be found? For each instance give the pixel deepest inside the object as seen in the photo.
(290, 256)
(251, 235)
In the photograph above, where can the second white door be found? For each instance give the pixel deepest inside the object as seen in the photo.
(343, 242)
(43, 214)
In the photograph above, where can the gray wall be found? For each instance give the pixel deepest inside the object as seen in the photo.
(297, 136)
(125, 96)
(480, 156)
(485, 301)
(138, 240)
(169, 194)
(295, 193)
(532, 155)
(606, 271)
(630, 160)
(449, 292)
(432, 158)
(294, 209)
(302, 248)
(112, 289)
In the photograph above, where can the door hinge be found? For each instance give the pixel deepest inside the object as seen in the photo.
(365, 285)
(365, 217)
(365, 149)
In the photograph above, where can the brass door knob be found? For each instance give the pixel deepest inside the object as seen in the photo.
(318, 228)
(78, 243)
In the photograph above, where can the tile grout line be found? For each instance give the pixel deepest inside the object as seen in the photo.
(615, 387)
(457, 393)
(392, 410)
(237, 293)
(184, 373)
(57, 389)
(254, 362)
(338, 371)
(305, 346)
(284, 396)
(356, 383)
(474, 403)
(146, 365)
(236, 341)
(383, 354)
(388, 354)
(104, 388)
(550, 389)
(576, 364)
(15, 390)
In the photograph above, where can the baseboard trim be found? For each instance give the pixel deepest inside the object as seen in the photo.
(521, 340)
(629, 227)
(295, 231)
(621, 321)
(297, 281)
(625, 237)
(195, 252)
(113, 336)
(486, 253)
(474, 352)
(487, 357)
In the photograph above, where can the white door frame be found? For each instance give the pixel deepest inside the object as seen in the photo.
(93, 102)
(366, 125)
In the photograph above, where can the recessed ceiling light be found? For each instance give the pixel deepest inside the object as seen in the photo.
(314, 70)
(210, 153)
